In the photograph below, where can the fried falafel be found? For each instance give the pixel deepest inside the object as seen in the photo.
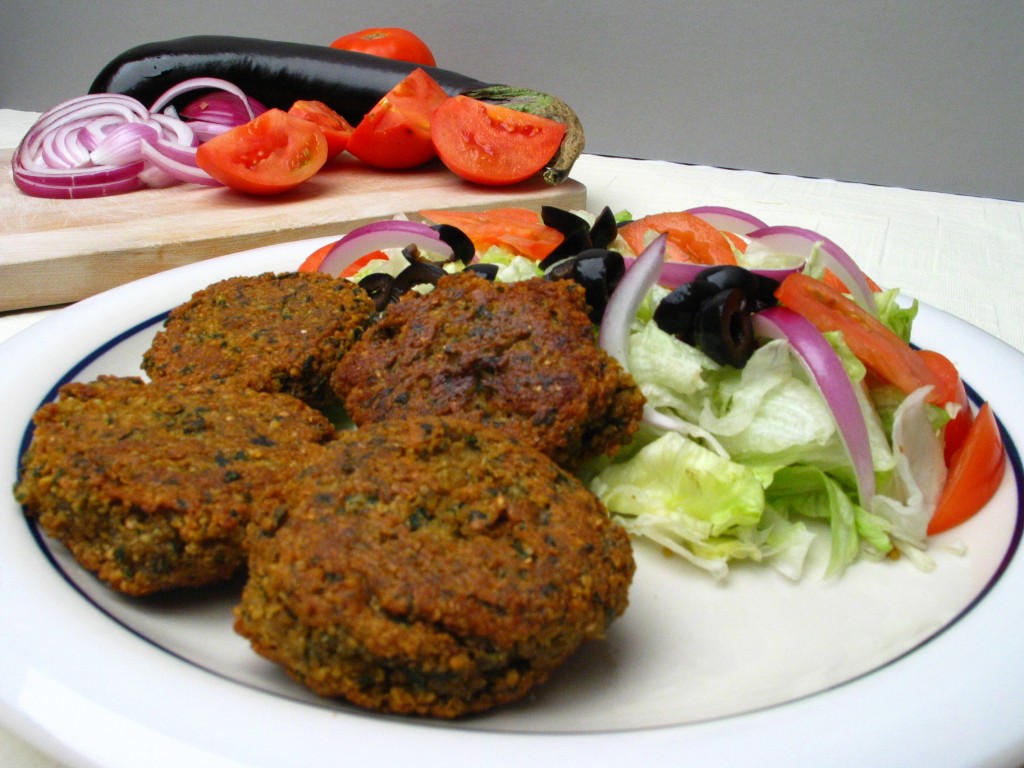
(151, 486)
(518, 356)
(432, 566)
(271, 332)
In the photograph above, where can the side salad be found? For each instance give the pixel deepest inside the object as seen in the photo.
(783, 395)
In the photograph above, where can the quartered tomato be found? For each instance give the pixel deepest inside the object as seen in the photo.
(396, 132)
(883, 352)
(690, 239)
(491, 144)
(975, 473)
(951, 389)
(518, 230)
(271, 154)
(389, 43)
(336, 128)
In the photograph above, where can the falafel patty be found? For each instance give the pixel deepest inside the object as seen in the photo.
(272, 332)
(519, 356)
(151, 485)
(432, 566)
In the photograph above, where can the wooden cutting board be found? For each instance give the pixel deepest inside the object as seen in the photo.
(59, 251)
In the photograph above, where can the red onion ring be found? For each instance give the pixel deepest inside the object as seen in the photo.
(381, 235)
(108, 144)
(728, 219)
(826, 370)
(801, 242)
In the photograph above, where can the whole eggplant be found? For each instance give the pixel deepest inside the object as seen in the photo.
(278, 73)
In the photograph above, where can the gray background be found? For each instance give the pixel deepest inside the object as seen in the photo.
(926, 94)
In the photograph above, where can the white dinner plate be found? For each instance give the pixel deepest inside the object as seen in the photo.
(889, 665)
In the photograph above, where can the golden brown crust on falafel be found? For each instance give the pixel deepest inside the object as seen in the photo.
(152, 486)
(433, 566)
(518, 356)
(271, 332)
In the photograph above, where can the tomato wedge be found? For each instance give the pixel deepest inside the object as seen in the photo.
(336, 128)
(396, 132)
(975, 474)
(831, 279)
(518, 230)
(316, 258)
(883, 352)
(951, 390)
(690, 239)
(271, 154)
(491, 144)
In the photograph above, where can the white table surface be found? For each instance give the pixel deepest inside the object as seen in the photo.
(964, 255)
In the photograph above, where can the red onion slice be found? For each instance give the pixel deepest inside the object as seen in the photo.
(379, 236)
(105, 144)
(641, 275)
(122, 143)
(801, 242)
(162, 157)
(223, 108)
(203, 83)
(728, 219)
(826, 370)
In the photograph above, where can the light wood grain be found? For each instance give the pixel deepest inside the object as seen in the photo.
(59, 251)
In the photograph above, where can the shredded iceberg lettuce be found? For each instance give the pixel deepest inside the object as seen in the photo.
(784, 475)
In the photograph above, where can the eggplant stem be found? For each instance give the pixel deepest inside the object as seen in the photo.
(545, 105)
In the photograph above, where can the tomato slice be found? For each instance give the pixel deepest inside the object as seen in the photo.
(388, 43)
(396, 132)
(271, 154)
(336, 128)
(492, 144)
(975, 474)
(316, 258)
(831, 279)
(690, 239)
(519, 230)
(951, 390)
(883, 352)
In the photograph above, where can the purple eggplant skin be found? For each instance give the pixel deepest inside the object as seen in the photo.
(273, 72)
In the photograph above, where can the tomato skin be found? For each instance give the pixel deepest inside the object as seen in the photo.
(395, 134)
(316, 258)
(336, 128)
(690, 239)
(951, 390)
(974, 475)
(492, 144)
(271, 154)
(519, 230)
(388, 43)
(883, 352)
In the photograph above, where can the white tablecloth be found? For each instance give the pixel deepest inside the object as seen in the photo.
(961, 254)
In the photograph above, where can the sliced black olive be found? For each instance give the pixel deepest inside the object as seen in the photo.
(571, 244)
(562, 220)
(592, 274)
(380, 287)
(757, 287)
(605, 229)
(488, 271)
(463, 247)
(560, 269)
(724, 331)
(677, 312)
(417, 273)
(613, 262)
